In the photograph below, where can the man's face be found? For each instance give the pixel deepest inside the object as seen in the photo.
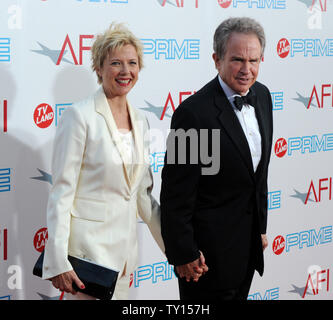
(240, 66)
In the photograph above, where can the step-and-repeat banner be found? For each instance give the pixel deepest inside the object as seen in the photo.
(45, 67)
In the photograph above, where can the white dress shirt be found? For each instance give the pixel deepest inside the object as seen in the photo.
(127, 140)
(248, 120)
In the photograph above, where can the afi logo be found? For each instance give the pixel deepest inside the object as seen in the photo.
(315, 280)
(57, 56)
(160, 111)
(323, 184)
(4, 244)
(4, 116)
(325, 90)
(323, 4)
(178, 3)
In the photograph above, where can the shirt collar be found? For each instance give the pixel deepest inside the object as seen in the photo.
(230, 93)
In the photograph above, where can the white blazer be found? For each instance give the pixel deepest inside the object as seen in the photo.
(93, 204)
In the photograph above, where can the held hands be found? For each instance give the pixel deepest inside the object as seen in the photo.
(264, 241)
(64, 281)
(193, 270)
(197, 268)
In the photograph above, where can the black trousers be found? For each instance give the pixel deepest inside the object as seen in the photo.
(191, 291)
(208, 290)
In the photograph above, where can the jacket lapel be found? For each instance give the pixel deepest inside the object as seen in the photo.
(232, 126)
(102, 107)
(263, 132)
(138, 132)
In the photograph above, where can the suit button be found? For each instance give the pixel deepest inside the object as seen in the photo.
(127, 197)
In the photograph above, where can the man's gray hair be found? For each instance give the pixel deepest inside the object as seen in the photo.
(240, 25)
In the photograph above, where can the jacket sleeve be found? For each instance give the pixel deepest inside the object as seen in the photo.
(148, 208)
(180, 179)
(263, 201)
(67, 157)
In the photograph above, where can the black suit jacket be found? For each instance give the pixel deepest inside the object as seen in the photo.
(215, 213)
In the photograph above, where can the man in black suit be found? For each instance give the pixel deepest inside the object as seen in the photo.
(217, 219)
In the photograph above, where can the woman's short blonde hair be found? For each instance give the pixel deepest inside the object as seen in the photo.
(116, 36)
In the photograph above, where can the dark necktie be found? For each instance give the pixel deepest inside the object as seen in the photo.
(240, 101)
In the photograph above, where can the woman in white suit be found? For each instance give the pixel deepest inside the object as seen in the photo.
(101, 176)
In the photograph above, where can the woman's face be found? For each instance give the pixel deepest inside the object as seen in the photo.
(120, 71)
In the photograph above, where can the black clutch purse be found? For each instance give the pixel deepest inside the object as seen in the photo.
(99, 281)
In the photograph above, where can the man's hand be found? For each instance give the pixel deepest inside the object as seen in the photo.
(64, 281)
(193, 270)
(264, 241)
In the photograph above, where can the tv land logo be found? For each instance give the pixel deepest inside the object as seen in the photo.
(178, 3)
(172, 49)
(40, 239)
(254, 4)
(58, 56)
(280, 147)
(159, 271)
(44, 114)
(4, 49)
(5, 180)
(269, 294)
(304, 47)
(302, 239)
(303, 145)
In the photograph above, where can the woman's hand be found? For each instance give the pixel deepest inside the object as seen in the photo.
(64, 281)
